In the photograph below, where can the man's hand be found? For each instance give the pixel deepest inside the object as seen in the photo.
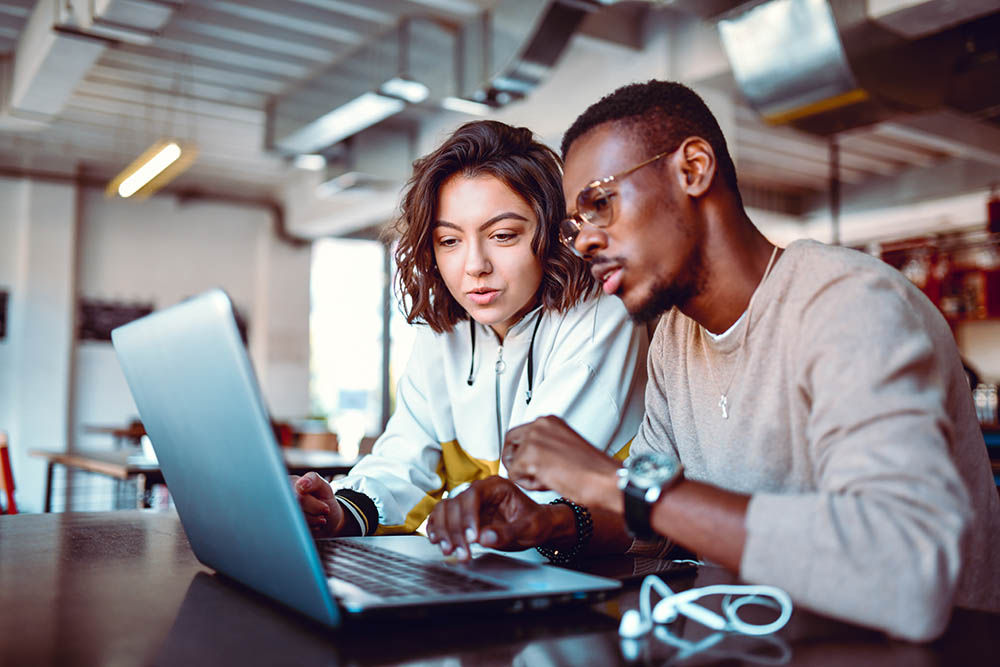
(495, 513)
(548, 454)
(323, 511)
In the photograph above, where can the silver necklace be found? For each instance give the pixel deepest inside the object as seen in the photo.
(724, 393)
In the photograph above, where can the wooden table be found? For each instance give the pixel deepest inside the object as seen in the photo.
(130, 464)
(123, 588)
(120, 435)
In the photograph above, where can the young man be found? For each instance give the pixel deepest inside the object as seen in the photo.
(808, 423)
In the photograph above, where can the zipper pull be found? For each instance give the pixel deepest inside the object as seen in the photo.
(500, 364)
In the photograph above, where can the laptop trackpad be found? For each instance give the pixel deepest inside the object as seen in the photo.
(495, 565)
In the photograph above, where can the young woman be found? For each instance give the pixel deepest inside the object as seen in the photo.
(514, 329)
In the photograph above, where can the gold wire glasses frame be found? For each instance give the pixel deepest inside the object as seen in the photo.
(593, 205)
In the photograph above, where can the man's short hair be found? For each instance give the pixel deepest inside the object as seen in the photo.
(663, 114)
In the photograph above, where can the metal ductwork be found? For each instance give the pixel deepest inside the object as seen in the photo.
(61, 42)
(825, 67)
(494, 59)
(512, 48)
(305, 120)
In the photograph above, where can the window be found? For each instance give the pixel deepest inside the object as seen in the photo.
(347, 287)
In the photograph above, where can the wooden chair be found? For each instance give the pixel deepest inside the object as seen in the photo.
(6, 476)
(318, 440)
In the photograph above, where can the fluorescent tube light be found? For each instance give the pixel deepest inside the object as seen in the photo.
(147, 172)
(347, 119)
(157, 166)
(309, 162)
(463, 105)
(413, 92)
(355, 182)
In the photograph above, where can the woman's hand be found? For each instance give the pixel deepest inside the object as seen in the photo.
(548, 454)
(323, 511)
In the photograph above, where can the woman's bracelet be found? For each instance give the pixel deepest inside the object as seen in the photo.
(584, 530)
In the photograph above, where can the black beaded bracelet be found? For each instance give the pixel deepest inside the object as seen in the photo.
(584, 529)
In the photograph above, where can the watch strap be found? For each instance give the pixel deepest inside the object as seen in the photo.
(637, 512)
(639, 509)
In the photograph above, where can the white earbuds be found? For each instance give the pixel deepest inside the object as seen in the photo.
(664, 613)
(636, 623)
(667, 609)
(633, 625)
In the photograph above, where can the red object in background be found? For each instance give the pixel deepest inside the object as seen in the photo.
(993, 209)
(283, 433)
(992, 287)
(8, 477)
(938, 273)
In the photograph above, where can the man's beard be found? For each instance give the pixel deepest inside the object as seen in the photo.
(678, 292)
(663, 298)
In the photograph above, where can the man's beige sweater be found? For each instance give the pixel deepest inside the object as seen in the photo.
(852, 427)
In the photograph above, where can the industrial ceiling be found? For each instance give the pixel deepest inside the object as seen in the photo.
(84, 96)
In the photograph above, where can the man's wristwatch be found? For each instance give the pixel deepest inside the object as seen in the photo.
(644, 479)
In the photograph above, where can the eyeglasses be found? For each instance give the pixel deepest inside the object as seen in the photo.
(594, 205)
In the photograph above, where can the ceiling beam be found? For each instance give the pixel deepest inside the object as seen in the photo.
(213, 73)
(914, 19)
(768, 174)
(237, 136)
(116, 110)
(217, 59)
(168, 84)
(94, 147)
(949, 132)
(906, 153)
(332, 25)
(765, 154)
(207, 21)
(788, 141)
(915, 184)
(250, 46)
(170, 101)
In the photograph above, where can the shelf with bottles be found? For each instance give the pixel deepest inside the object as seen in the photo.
(959, 271)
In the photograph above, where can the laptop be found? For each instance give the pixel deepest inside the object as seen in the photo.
(200, 403)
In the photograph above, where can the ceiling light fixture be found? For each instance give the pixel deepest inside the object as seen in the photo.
(412, 91)
(309, 162)
(462, 105)
(156, 167)
(347, 119)
(356, 183)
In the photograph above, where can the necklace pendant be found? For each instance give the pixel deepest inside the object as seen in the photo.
(724, 405)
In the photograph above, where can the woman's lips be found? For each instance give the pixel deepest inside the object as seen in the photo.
(483, 297)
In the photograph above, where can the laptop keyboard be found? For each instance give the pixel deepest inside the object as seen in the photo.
(390, 574)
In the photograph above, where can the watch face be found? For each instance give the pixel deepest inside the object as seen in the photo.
(648, 470)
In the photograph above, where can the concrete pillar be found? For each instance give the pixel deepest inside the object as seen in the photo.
(41, 333)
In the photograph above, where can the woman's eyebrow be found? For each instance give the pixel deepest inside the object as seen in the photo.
(506, 215)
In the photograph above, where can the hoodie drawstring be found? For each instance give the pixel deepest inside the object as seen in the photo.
(531, 355)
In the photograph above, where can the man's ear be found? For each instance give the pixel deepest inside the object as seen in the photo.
(697, 166)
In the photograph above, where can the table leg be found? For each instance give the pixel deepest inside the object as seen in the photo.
(48, 488)
(140, 489)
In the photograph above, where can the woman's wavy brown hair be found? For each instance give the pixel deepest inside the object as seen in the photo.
(530, 169)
